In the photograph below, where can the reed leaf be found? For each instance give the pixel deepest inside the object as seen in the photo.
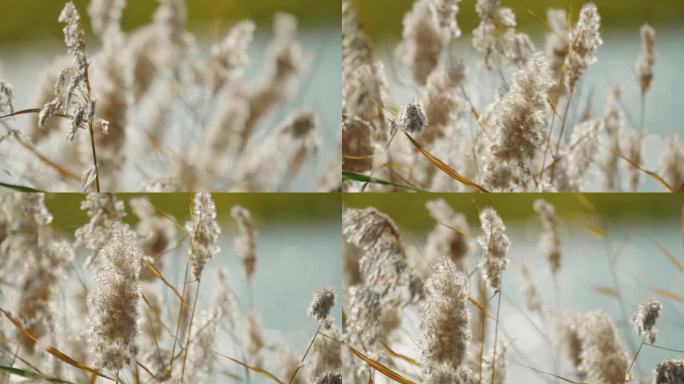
(673, 259)
(19, 188)
(444, 167)
(52, 350)
(608, 291)
(387, 372)
(669, 294)
(400, 356)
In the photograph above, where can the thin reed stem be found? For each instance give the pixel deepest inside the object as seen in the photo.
(665, 348)
(92, 147)
(149, 372)
(496, 336)
(562, 131)
(91, 131)
(250, 294)
(301, 364)
(555, 346)
(154, 337)
(483, 323)
(136, 376)
(192, 317)
(642, 120)
(636, 355)
(14, 360)
(178, 322)
(546, 148)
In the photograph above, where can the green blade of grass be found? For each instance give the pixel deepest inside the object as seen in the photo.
(32, 375)
(374, 180)
(19, 188)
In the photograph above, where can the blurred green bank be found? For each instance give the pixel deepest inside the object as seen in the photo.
(410, 213)
(382, 18)
(31, 19)
(289, 209)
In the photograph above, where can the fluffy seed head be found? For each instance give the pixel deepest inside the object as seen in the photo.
(230, 56)
(103, 210)
(72, 93)
(614, 122)
(529, 290)
(568, 328)
(6, 98)
(204, 232)
(670, 371)
(492, 36)
(245, 243)
(632, 147)
(412, 119)
(518, 47)
(582, 150)
(73, 34)
(672, 162)
(156, 234)
(364, 312)
(446, 374)
(549, 239)
(448, 238)
(332, 377)
(255, 339)
(520, 122)
(115, 299)
(383, 262)
(645, 317)
(603, 356)
(446, 15)
(646, 59)
(495, 245)
(33, 205)
(422, 40)
(323, 300)
(442, 100)
(585, 39)
(444, 317)
(557, 45)
(105, 16)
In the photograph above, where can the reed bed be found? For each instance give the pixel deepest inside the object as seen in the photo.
(104, 304)
(484, 300)
(517, 120)
(154, 110)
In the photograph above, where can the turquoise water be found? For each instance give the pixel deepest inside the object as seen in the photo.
(639, 269)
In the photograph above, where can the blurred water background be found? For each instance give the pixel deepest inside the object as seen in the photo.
(31, 37)
(634, 228)
(298, 250)
(620, 20)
